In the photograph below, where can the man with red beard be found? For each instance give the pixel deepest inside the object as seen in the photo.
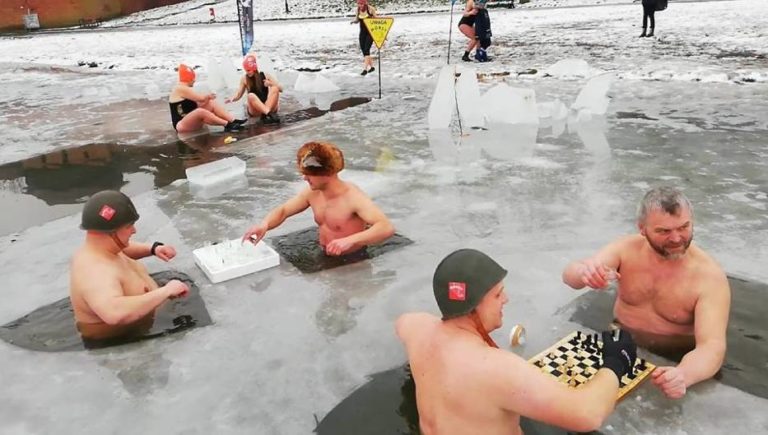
(672, 296)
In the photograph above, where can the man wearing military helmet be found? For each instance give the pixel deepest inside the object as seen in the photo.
(465, 384)
(112, 294)
(347, 219)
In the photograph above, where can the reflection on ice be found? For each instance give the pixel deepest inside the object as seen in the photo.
(591, 131)
(506, 141)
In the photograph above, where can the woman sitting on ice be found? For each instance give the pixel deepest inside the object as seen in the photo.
(263, 92)
(191, 110)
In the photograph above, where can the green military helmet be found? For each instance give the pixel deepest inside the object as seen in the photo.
(107, 211)
(462, 279)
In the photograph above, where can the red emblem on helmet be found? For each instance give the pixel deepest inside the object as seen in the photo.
(107, 213)
(457, 291)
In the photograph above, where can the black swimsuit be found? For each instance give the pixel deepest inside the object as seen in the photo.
(468, 20)
(180, 109)
(264, 93)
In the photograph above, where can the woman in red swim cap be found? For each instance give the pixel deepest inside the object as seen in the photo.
(262, 89)
(191, 110)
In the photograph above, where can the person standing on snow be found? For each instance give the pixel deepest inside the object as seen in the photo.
(363, 11)
(649, 8)
(482, 30)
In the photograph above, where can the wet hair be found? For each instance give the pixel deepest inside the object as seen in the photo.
(254, 83)
(664, 198)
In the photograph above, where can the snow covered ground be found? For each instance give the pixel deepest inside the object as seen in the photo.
(689, 107)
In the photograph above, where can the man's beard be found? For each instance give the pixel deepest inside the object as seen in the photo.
(664, 252)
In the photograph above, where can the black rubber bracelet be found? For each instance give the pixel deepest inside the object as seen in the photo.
(154, 246)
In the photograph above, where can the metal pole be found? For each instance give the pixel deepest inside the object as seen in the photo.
(379, 53)
(450, 32)
(456, 100)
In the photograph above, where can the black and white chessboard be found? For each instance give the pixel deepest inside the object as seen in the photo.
(577, 357)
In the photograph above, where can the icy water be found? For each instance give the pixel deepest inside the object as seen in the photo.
(285, 348)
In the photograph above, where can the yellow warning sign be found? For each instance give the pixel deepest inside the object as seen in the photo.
(379, 28)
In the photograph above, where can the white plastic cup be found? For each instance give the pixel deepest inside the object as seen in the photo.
(517, 336)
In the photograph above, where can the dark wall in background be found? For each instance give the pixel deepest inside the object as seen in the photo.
(63, 13)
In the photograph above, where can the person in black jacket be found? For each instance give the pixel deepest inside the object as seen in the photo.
(649, 8)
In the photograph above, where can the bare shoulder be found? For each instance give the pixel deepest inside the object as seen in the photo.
(408, 323)
(354, 189)
(307, 193)
(87, 269)
(502, 370)
(175, 94)
(357, 194)
(709, 270)
(630, 242)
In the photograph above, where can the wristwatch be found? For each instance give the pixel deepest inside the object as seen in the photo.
(154, 246)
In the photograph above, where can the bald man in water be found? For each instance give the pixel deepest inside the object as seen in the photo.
(672, 295)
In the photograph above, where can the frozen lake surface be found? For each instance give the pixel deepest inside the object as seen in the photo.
(689, 108)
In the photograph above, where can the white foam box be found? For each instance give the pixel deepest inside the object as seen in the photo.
(216, 172)
(232, 259)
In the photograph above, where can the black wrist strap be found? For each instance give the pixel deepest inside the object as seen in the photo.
(154, 246)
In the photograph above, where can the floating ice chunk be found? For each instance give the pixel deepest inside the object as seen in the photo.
(507, 105)
(232, 259)
(545, 109)
(555, 110)
(216, 78)
(593, 97)
(322, 101)
(559, 110)
(571, 68)
(509, 142)
(303, 81)
(314, 83)
(371, 182)
(207, 191)
(444, 99)
(468, 98)
(323, 84)
(216, 172)
(441, 144)
(231, 75)
(265, 65)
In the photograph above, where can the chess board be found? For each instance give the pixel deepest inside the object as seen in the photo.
(577, 357)
(233, 258)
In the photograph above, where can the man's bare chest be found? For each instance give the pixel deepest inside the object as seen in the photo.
(673, 296)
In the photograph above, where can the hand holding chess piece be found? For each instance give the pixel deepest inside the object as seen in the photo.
(619, 354)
